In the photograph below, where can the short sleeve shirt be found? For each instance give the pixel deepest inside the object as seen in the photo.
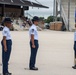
(75, 36)
(33, 30)
(6, 32)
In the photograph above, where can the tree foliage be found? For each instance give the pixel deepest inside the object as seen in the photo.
(51, 18)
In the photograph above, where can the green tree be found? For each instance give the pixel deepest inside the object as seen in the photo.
(49, 19)
(41, 18)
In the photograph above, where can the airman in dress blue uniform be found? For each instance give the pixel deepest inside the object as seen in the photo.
(33, 43)
(74, 67)
(6, 45)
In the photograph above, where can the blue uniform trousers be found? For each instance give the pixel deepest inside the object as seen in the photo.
(6, 55)
(33, 54)
(75, 49)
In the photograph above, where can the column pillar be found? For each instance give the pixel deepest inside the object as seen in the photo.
(68, 14)
(3, 10)
(55, 10)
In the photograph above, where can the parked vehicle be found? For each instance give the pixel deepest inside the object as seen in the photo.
(46, 26)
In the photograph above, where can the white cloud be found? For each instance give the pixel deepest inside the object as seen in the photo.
(42, 11)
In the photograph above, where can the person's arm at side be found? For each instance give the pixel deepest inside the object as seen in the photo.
(4, 43)
(32, 40)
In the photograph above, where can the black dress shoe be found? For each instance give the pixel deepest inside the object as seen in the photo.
(74, 67)
(34, 68)
(7, 74)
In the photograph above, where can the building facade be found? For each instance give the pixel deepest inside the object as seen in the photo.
(67, 12)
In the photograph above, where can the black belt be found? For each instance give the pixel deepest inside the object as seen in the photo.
(74, 41)
(34, 40)
(8, 40)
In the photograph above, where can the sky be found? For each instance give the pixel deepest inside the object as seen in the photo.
(42, 12)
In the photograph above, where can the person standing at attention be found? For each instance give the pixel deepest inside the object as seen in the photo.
(33, 43)
(74, 67)
(6, 45)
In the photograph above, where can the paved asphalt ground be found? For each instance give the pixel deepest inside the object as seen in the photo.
(55, 55)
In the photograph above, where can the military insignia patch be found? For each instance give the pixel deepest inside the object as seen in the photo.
(32, 30)
(5, 32)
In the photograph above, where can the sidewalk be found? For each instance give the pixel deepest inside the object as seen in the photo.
(55, 55)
